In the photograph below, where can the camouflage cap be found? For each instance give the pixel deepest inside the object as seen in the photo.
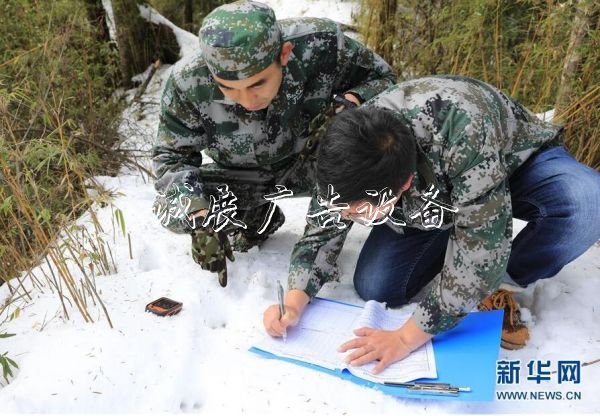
(240, 39)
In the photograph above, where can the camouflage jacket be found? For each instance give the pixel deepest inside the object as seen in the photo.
(195, 115)
(473, 138)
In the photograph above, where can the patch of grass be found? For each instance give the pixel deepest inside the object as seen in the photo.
(57, 123)
(519, 46)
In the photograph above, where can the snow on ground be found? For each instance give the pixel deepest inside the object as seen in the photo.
(340, 11)
(197, 361)
(187, 41)
(547, 116)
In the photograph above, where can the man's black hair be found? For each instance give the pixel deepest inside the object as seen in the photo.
(364, 149)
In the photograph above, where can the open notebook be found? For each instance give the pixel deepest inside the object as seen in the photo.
(326, 325)
(464, 356)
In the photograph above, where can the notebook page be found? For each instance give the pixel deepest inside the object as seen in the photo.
(419, 364)
(323, 327)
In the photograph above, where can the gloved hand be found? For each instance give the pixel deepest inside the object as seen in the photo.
(210, 250)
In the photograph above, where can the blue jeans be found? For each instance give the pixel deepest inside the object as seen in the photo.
(558, 197)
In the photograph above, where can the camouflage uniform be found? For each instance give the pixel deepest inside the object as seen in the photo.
(253, 151)
(470, 138)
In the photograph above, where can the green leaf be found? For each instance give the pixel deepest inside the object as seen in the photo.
(11, 362)
(7, 205)
(16, 313)
(8, 371)
(5, 335)
(5, 367)
(44, 215)
(121, 220)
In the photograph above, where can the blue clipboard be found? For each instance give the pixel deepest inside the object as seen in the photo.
(465, 357)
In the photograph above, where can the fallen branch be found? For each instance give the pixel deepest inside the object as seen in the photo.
(143, 87)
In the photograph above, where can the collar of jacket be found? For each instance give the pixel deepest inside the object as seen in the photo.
(291, 91)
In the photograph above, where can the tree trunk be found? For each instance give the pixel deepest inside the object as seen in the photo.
(188, 16)
(97, 18)
(133, 47)
(140, 42)
(206, 6)
(573, 58)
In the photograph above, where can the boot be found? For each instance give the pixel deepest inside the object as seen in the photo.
(514, 332)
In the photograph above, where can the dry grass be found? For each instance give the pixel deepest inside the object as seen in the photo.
(57, 129)
(520, 47)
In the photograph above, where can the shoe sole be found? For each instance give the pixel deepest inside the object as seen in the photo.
(510, 346)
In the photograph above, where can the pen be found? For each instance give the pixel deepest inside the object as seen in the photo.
(281, 306)
(430, 388)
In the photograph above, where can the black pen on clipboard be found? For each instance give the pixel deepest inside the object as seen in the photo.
(281, 306)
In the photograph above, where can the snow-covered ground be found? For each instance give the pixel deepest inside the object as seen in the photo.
(198, 360)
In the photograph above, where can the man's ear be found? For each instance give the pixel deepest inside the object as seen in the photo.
(407, 184)
(286, 51)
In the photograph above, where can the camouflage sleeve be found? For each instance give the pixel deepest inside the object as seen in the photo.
(176, 154)
(479, 245)
(361, 71)
(314, 257)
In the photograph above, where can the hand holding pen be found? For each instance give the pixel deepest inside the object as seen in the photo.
(286, 313)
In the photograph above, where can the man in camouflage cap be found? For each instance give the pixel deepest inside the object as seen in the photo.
(252, 99)
(456, 160)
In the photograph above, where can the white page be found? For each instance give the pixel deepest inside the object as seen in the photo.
(323, 327)
(419, 364)
(326, 325)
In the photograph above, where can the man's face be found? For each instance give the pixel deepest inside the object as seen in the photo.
(359, 211)
(256, 92)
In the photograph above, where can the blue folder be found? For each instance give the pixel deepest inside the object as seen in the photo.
(465, 357)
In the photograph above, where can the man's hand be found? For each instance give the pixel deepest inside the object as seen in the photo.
(353, 98)
(276, 325)
(198, 214)
(385, 346)
(210, 249)
(350, 97)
